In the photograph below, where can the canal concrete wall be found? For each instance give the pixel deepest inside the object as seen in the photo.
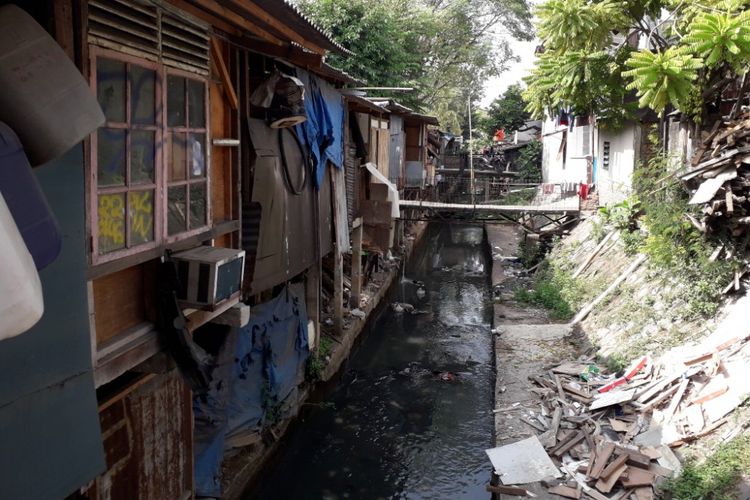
(646, 313)
(526, 343)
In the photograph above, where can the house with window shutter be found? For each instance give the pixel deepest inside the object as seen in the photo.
(101, 398)
(578, 150)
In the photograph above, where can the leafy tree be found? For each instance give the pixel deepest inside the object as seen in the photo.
(529, 162)
(442, 48)
(692, 52)
(507, 112)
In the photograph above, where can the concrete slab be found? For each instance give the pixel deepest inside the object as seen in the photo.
(527, 342)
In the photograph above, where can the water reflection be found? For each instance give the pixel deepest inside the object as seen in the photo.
(410, 418)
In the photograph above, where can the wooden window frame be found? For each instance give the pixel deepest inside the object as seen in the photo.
(187, 129)
(160, 185)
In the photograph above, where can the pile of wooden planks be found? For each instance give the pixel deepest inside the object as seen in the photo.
(719, 178)
(612, 436)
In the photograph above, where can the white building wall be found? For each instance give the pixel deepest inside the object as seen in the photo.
(615, 182)
(574, 166)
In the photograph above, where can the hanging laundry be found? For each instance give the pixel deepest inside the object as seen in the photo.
(583, 191)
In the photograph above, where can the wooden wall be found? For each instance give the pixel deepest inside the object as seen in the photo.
(148, 442)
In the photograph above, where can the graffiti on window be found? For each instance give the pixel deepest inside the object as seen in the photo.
(111, 217)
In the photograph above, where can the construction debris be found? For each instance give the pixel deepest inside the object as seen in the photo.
(719, 177)
(611, 437)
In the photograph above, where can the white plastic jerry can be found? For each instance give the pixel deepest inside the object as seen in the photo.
(21, 299)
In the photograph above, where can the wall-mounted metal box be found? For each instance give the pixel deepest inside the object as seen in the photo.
(209, 275)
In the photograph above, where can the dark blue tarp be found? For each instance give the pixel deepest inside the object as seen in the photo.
(267, 366)
(284, 325)
(210, 419)
(324, 128)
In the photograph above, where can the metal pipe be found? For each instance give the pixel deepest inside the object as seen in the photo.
(471, 157)
(400, 89)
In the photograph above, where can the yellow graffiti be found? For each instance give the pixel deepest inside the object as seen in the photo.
(141, 211)
(111, 216)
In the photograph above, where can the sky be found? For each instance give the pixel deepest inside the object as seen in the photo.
(496, 86)
(525, 51)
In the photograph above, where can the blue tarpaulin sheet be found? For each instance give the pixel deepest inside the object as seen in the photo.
(267, 365)
(324, 128)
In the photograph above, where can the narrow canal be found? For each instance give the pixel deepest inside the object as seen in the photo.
(411, 415)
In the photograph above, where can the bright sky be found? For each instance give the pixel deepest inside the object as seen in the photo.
(496, 86)
(525, 51)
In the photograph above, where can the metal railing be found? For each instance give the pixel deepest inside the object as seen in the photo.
(499, 190)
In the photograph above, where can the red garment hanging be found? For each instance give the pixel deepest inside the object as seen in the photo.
(583, 191)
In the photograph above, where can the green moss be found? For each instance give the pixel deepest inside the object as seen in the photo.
(717, 477)
(556, 290)
(318, 359)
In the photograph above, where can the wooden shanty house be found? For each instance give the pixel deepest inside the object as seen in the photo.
(101, 398)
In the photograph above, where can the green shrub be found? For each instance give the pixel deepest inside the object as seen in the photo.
(555, 290)
(674, 246)
(717, 477)
(529, 252)
(317, 361)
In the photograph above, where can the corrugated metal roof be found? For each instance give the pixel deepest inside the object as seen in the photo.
(366, 104)
(328, 71)
(399, 109)
(288, 12)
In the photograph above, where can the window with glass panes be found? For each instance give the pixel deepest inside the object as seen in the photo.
(186, 154)
(149, 163)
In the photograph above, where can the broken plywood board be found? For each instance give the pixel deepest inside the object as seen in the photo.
(708, 189)
(565, 491)
(612, 398)
(522, 462)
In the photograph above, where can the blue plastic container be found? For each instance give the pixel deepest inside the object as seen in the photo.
(26, 201)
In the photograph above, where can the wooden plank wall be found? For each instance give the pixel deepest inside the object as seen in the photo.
(148, 442)
(119, 302)
(413, 142)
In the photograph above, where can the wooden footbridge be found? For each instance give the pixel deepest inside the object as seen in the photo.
(537, 208)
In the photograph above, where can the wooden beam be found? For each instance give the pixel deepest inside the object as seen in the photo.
(204, 14)
(226, 80)
(200, 317)
(222, 12)
(63, 18)
(290, 53)
(266, 18)
(356, 263)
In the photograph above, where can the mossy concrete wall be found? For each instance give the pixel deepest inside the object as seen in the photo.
(646, 313)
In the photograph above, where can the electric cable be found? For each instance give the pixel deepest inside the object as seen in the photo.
(285, 166)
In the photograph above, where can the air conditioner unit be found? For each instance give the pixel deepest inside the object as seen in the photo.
(209, 276)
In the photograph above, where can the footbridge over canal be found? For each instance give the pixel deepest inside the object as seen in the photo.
(536, 207)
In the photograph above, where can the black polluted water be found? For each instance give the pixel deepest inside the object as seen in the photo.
(410, 417)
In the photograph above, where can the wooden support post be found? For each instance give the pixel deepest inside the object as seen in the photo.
(338, 291)
(399, 233)
(338, 265)
(357, 262)
(312, 299)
